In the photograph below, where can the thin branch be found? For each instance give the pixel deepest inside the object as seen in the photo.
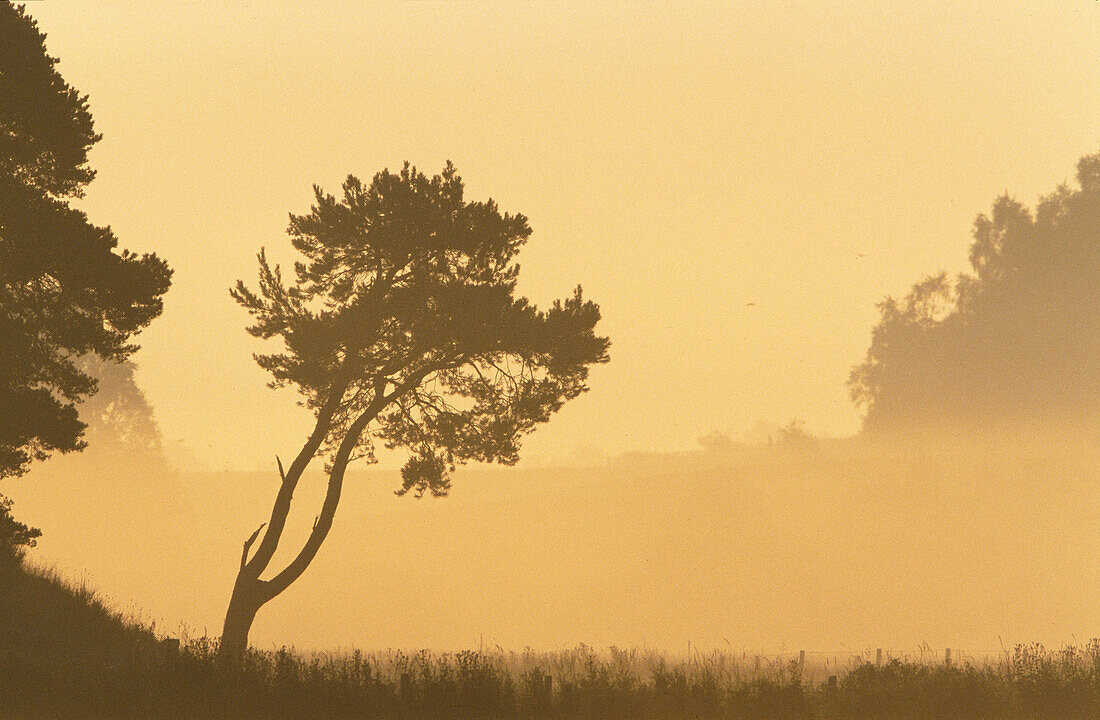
(415, 425)
(252, 539)
(423, 401)
(505, 373)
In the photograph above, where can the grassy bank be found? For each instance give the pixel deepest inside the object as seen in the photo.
(65, 654)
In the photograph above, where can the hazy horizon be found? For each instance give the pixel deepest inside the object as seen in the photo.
(779, 549)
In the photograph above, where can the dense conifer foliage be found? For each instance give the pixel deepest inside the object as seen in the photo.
(65, 288)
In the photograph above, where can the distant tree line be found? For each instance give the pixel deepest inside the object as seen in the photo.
(1015, 343)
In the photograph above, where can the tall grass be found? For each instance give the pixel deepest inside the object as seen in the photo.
(65, 654)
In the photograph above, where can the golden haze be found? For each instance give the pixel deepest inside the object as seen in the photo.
(737, 185)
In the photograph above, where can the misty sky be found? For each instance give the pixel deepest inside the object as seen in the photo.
(679, 163)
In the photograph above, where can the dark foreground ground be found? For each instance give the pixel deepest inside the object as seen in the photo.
(63, 654)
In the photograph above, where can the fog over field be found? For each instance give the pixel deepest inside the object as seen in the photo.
(846, 545)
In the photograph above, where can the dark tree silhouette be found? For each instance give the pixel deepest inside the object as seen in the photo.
(64, 289)
(403, 328)
(1015, 344)
(14, 535)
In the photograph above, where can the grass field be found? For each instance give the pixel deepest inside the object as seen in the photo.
(65, 654)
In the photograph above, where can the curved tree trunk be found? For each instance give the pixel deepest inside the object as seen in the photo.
(250, 593)
(243, 606)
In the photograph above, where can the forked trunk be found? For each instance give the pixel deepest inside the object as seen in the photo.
(250, 593)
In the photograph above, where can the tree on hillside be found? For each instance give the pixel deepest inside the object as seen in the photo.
(65, 290)
(1017, 340)
(403, 328)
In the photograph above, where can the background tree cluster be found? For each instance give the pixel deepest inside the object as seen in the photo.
(1013, 344)
(66, 290)
(123, 439)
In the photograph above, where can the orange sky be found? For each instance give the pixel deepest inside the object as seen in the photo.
(678, 161)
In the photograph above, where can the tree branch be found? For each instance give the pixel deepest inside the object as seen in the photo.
(281, 507)
(415, 425)
(323, 523)
(248, 543)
